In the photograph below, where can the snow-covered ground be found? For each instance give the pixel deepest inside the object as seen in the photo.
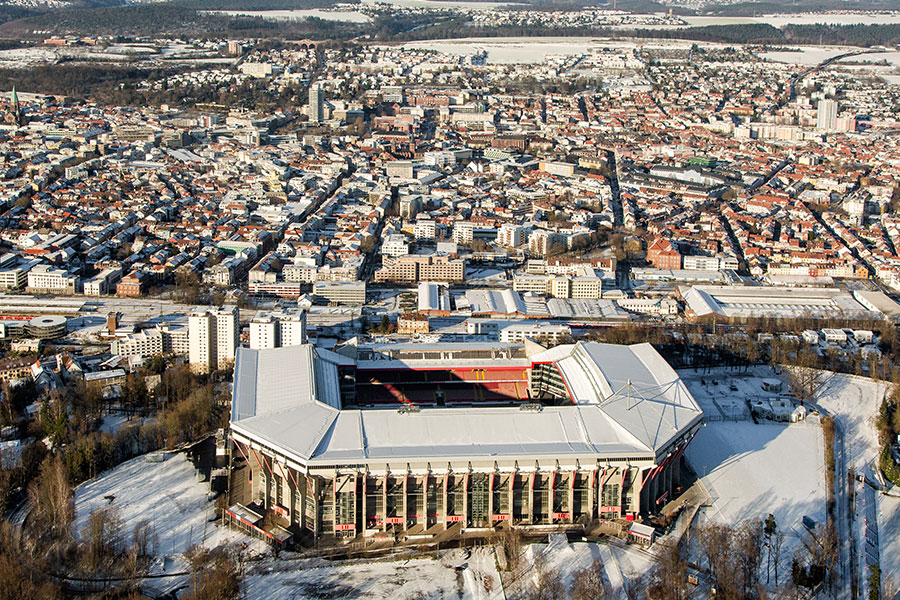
(24, 57)
(454, 574)
(752, 470)
(620, 562)
(165, 494)
(807, 55)
(854, 402)
(298, 14)
(889, 537)
(718, 399)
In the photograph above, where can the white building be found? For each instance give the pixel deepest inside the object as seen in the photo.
(101, 283)
(316, 103)
(52, 280)
(585, 287)
(278, 329)
(302, 272)
(650, 306)
(463, 232)
(395, 245)
(863, 336)
(835, 336)
(810, 337)
(827, 115)
(510, 236)
(424, 230)
(213, 338)
(519, 331)
(702, 263)
(162, 339)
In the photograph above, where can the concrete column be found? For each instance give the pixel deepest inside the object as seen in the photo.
(531, 497)
(465, 515)
(601, 483)
(512, 495)
(551, 493)
(365, 504)
(334, 507)
(572, 497)
(314, 520)
(357, 505)
(384, 503)
(644, 491)
(300, 491)
(491, 497)
(592, 483)
(443, 517)
(405, 498)
(425, 500)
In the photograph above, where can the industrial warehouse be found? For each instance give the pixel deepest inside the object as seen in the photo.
(421, 438)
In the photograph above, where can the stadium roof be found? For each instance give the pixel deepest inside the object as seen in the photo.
(628, 403)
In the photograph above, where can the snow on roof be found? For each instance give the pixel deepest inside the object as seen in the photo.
(748, 301)
(433, 296)
(628, 402)
(505, 302)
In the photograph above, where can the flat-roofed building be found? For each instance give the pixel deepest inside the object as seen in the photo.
(734, 303)
(46, 279)
(413, 268)
(213, 338)
(352, 293)
(278, 329)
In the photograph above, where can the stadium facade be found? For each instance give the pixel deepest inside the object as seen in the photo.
(423, 437)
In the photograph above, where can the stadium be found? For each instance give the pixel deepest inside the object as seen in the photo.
(419, 438)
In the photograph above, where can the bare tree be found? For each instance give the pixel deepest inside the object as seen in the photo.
(214, 575)
(546, 583)
(511, 542)
(634, 586)
(777, 549)
(589, 583)
(804, 380)
(749, 555)
(669, 574)
(771, 528)
(103, 540)
(53, 501)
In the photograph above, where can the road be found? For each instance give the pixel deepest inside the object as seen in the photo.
(846, 578)
(813, 69)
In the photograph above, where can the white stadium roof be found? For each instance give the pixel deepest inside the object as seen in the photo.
(628, 404)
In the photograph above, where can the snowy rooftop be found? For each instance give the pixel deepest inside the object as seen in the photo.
(628, 403)
(749, 301)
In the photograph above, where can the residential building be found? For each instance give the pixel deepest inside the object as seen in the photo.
(213, 338)
(278, 329)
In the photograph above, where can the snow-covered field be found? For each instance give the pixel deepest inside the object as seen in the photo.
(620, 562)
(854, 402)
(830, 18)
(807, 55)
(454, 574)
(165, 494)
(298, 14)
(718, 399)
(24, 57)
(519, 50)
(889, 537)
(752, 470)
